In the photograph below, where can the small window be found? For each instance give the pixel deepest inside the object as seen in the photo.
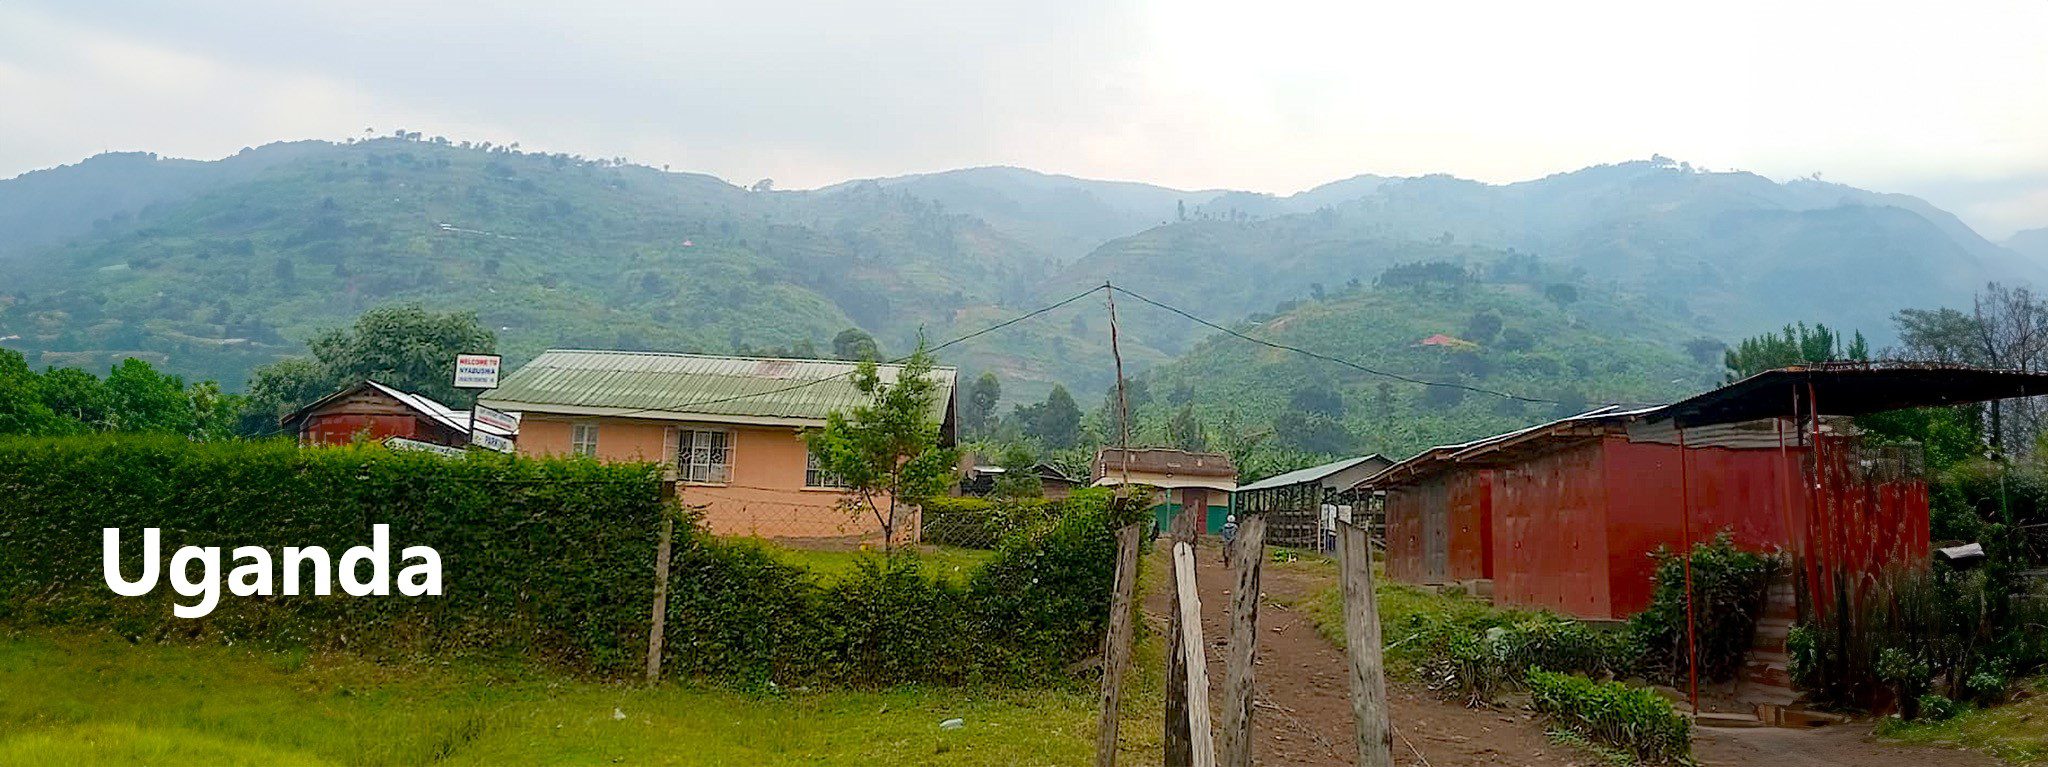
(817, 477)
(583, 439)
(704, 455)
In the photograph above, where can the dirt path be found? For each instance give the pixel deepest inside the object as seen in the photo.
(1302, 714)
(1302, 710)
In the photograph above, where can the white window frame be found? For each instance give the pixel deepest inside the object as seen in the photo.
(816, 478)
(703, 456)
(583, 437)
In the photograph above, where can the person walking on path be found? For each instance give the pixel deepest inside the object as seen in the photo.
(1229, 536)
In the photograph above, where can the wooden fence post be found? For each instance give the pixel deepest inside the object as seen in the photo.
(1177, 748)
(1362, 646)
(1116, 647)
(1201, 741)
(660, 623)
(1244, 640)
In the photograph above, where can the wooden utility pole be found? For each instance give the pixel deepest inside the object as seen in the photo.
(660, 622)
(1177, 746)
(1244, 640)
(1202, 747)
(1362, 647)
(1116, 647)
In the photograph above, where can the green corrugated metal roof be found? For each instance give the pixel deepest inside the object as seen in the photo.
(692, 387)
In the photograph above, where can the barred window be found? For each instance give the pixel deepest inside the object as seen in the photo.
(817, 477)
(583, 439)
(704, 455)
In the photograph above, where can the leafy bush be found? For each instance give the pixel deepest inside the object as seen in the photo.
(1912, 632)
(1937, 708)
(546, 559)
(1478, 666)
(1730, 585)
(982, 523)
(1635, 719)
(1028, 614)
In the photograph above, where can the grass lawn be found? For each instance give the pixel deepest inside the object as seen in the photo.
(953, 564)
(71, 698)
(2016, 733)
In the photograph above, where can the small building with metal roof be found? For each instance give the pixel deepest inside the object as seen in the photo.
(1301, 507)
(729, 429)
(1201, 481)
(374, 412)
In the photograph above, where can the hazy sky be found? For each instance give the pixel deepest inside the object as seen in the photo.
(1948, 101)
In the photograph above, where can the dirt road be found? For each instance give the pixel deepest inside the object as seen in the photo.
(1302, 714)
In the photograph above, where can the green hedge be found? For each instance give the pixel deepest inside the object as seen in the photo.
(546, 559)
(1635, 719)
(982, 523)
(1041, 604)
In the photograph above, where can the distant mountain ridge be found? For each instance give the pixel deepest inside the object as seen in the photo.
(212, 267)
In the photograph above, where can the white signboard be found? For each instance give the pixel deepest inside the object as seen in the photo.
(497, 419)
(401, 443)
(491, 441)
(476, 371)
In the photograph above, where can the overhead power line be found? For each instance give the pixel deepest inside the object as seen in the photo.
(1326, 357)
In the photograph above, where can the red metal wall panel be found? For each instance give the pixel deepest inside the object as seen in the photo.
(1404, 507)
(1469, 497)
(1739, 491)
(1550, 539)
(343, 428)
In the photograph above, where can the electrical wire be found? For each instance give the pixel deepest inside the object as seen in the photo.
(681, 407)
(1326, 357)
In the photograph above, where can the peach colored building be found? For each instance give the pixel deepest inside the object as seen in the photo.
(728, 429)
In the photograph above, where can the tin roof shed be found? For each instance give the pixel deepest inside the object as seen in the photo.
(695, 387)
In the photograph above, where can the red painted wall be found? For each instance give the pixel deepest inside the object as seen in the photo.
(1470, 521)
(1550, 541)
(1404, 507)
(1740, 491)
(343, 428)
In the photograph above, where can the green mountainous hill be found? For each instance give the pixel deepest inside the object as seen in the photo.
(1502, 335)
(210, 268)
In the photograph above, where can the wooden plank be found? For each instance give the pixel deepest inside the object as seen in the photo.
(1362, 647)
(1244, 638)
(659, 625)
(1202, 745)
(1116, 647)
(1177, 745)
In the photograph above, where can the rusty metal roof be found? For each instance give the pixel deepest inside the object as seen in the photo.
(694, 387)
(1852, 388)
(1160, 460)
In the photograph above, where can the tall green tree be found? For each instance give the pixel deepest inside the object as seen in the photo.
(21, 402)
(1797, 345)
(1184, 431)
(142, 399)
(978, 406)
(405, 347)
(855, 344)
(887, 451)
(1056, 422)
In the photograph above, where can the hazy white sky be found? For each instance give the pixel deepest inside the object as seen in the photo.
(1948, 101)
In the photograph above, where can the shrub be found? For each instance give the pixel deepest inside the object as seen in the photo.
(1025, 617)
(1730, 586)
(1912, 632)
(1635, 719)
(1477, 666)
(981, 523)
(541, 558)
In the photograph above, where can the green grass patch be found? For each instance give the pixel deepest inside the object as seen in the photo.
(2016, 733)
(72, 698)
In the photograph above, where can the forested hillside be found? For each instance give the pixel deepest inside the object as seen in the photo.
(208, 269)
(1568, 351)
